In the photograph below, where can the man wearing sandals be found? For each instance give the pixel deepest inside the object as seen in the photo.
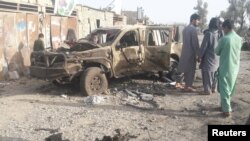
(209, 61)
(228, 49)
(188, 59)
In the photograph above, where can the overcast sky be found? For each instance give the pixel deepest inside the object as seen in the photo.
(164, 11)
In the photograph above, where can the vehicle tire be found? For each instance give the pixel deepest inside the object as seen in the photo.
(93, 81)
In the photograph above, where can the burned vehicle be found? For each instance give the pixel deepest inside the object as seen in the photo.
(107, 53)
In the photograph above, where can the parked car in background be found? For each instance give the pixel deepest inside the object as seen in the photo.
(106, 53)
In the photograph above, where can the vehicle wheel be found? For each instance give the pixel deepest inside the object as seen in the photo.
(93, 81)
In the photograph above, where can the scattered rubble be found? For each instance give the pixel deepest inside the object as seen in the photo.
(4, 83)
(118, 137)
(139, 95)
(94, 99)
(13, 75)
(55, 137)
(11, 139)
(64, 96)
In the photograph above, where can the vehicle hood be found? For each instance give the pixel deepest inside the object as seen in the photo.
(89, 52)
(84, 45)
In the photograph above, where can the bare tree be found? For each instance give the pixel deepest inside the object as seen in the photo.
(239, 12)
(201, 8)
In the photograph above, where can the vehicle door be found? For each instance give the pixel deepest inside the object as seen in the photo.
(126, 54)
(157, 49)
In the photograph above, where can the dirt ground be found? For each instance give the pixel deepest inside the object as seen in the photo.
(33, 110)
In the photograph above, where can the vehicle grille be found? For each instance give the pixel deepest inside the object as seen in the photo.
(45, 59)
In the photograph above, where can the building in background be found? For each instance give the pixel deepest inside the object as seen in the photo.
(22, 20)
(136, 17)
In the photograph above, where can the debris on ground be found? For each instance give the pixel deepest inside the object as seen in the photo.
(248, 121)
(165, 79)
(52, 131)
(139, 95)
(11, 139)
(3, 84)
(13, 75)
(146, 97)
(130, 93)
(55, 137)
(117, 137)
(64, 96)
(94, 99)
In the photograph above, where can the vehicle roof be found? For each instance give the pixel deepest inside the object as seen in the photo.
(123, 27)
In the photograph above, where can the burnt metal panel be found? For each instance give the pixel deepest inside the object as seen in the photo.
(9, 41)
(59, 28)
(72, 24)
(2, 60)
(32, 21)
(64, 28)
(55, 31)
(9, 31)
(21, 26)
(22, 40)
(1, 33)
(47, 33)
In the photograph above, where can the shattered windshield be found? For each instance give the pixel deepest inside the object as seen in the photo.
(103, 37)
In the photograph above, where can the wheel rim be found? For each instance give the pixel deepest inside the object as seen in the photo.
(96, 84)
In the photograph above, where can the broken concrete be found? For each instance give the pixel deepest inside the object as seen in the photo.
(118, 137)
(13, 75)
(94, 99)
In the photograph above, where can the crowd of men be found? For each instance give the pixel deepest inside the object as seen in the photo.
(218, 58)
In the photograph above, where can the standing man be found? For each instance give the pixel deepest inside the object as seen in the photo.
(209, 61)
(221, 20)
(228, 49)
(187, 64)
(39, 43)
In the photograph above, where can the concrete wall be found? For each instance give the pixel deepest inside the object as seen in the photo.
(88, 17)
(131, 17)
(120, 20)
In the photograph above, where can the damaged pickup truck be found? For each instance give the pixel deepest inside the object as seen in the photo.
(106, 53)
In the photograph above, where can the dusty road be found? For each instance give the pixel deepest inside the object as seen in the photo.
(32, 110)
